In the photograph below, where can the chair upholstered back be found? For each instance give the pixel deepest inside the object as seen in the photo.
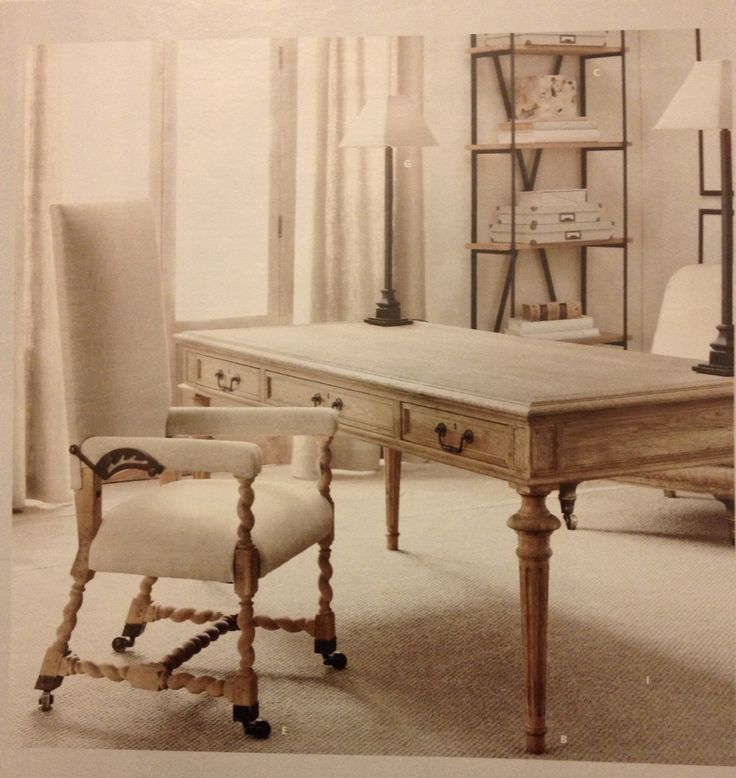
(690, 310)
(114, 346)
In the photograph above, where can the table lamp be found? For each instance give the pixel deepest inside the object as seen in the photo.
(389, 122)
(704, 102)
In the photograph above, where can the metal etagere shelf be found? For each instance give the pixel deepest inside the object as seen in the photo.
(526, 166)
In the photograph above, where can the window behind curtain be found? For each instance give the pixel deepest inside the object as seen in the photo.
(222, 138)
(203, 128)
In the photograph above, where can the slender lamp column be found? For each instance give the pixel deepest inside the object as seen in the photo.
(704, 102)
(388, 122)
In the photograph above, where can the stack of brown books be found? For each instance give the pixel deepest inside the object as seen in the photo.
(552, 321)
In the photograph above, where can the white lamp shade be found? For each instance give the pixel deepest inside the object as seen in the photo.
(703, 101)
(389, 121)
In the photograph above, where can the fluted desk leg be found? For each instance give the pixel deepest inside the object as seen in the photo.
(534, 524)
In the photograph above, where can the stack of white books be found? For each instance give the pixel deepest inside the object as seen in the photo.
(588, 38)
(578, 128)
(553, 329)
(551, 216)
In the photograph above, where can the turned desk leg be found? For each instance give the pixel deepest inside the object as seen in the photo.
(392, 464)
(534, 524)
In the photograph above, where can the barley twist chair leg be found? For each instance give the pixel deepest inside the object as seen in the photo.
(246, 566)
(52, 673)
(136, 619)
(325, 639)
(88, 504)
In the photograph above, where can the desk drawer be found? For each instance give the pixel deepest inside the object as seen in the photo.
(356, 408)
(462, 436)
(231, 378)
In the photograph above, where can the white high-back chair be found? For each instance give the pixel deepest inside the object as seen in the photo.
(116, 381)
(689, 312)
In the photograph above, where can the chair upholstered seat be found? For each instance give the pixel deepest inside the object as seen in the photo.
(190, 529)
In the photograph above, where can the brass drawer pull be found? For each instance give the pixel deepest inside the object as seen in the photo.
(234, 381)
(337, 404)
(317, 398)
(441, 430)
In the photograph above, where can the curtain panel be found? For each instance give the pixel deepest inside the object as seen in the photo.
(40, 462)
(339, 223)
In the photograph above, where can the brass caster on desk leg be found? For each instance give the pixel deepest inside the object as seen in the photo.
(567, 504)
(46, 701)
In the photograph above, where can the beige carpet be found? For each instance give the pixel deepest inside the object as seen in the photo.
(641, 634)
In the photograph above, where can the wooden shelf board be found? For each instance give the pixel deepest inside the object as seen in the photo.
(615, 145)
(547, 48)
(534, 246)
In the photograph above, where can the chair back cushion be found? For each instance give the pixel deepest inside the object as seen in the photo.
(690, 311)
(114, 346)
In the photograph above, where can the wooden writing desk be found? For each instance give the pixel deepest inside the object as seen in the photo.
(541, 415)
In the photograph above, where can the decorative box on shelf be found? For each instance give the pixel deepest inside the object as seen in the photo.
(545, 97)
(551, 216)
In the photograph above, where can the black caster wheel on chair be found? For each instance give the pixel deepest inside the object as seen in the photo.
(260, 729)
(337, 660)
(119, 644)
(46, 701)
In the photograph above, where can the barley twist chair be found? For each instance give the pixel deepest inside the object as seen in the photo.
(227, 529)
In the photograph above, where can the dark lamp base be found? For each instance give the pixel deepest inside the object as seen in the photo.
(387, 322)
(724, 370)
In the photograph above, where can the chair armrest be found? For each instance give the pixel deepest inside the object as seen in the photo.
(248, 422)
(229, 456)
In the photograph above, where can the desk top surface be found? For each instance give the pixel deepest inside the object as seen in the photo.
(488, 369)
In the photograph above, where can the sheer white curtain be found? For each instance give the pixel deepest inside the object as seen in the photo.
(339, 220)
(340, 191)
(88, 137)
(40, 457)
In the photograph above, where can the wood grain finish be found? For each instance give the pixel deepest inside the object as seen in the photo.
(356, 408)
(492, 442)
(223, 376)
(534, 524)
(543, 415)
(392, 463)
